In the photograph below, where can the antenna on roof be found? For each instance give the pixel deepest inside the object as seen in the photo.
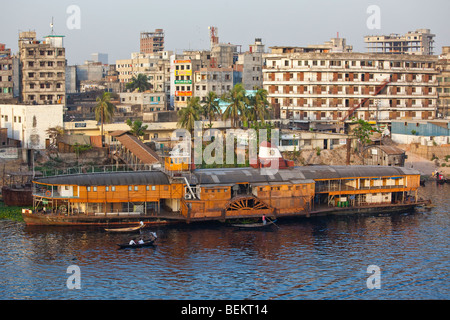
(51, 26)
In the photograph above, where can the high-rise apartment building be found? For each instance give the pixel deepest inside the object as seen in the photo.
(42, 69)
(336, 86)
(152, 42)
(419, 42)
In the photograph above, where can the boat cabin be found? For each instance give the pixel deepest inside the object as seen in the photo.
(141, 192)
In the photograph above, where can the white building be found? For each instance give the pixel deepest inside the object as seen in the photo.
(29, 123)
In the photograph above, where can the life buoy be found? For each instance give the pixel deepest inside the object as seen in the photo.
(48, 193)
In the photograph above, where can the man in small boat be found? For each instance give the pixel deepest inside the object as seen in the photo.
(141, 241)
(132, 242)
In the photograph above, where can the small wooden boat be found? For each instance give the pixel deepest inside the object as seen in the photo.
(130, 229)
(258, 225)
(147, 243)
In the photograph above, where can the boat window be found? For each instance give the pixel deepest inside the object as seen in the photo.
(88, 188)
(94, 189)
(106, 188)
(130, 188)
(113, 188)
(136, 188)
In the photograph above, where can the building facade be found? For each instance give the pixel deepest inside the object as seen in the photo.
(155, 66)
(443, 66)
(149, 101)
(43, 68)
(29, 123)
(6, 73)
(218, 80)
(252, 63)
(337, 86)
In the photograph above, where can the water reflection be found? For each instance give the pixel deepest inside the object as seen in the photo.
(316, 258)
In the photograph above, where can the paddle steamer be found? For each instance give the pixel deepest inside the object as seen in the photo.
(157, 197)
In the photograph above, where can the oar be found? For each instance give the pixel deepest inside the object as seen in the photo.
(273, 223)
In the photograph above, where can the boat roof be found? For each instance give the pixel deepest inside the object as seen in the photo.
(230, 176)
(108, 179)
(293, 175)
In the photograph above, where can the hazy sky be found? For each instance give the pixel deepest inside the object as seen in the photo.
(113, 27)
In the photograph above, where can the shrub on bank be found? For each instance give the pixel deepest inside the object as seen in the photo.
(10, 213)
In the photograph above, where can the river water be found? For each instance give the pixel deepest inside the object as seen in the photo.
(309, 258)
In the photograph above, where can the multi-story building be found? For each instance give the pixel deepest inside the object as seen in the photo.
(152, 42)
(337, 86)
(43, 68)
(155, 66)
(182, 83)
(252, 63)
(419, 42)
(443, 66)
(6, 73)
(182, 70)
(218, 80)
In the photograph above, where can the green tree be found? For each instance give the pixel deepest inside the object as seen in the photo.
(237, 107)
(136, 128)
(211, 107)
(188, 115)
(140, 82)
(258, 108)
(104, 112)
(363, 130)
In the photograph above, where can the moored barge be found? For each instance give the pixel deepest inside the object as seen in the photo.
(157, 197)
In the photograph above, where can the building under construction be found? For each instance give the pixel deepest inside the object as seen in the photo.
(152, 42)
(419, 42)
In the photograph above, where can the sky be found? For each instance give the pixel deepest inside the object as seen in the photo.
(113, 26)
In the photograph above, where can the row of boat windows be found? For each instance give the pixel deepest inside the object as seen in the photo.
(289, 188)
(260, 189)
(130, 188)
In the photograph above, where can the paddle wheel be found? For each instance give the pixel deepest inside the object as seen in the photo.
(247, 206)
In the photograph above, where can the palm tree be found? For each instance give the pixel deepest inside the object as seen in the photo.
(259, 106)
(237, 104)
(104, 111)
(140, 82)
(211, 107)
(188, 115)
